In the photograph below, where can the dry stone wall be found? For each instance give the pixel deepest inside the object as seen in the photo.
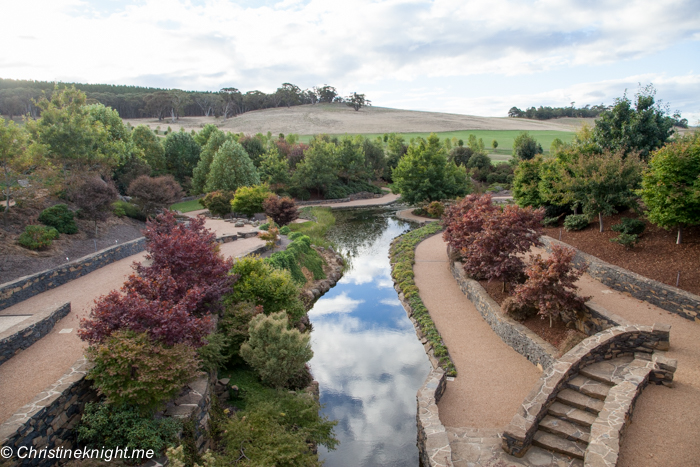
(24, 334)
(664, 296)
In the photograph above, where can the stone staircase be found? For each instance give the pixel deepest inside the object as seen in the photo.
(566, 428)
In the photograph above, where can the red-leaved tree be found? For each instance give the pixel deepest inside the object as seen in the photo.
(282, 210)
(550, 285)
(172, 298)
(489, 237)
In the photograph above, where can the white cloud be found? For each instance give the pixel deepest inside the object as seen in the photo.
(214, 43)
(338, 304)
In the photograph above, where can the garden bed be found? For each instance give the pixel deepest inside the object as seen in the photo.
(560, 336)
(656, 256)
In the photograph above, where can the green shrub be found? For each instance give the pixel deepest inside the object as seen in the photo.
(262, 284)
(214, 354)
(285, 230)
(59, 217)
(109, 426)
(130, 369)
(629, 226)
(576, 222)
(625, 239)
(264, 226)
(435, 209)
(249, 200)
(37, 237)
(550, 221)
(275, 427)
(276, 352)
(234, 326)
(129, 210)
(297, 255)
(218, 202)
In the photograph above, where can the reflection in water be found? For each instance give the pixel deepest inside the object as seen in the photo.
(366, 356)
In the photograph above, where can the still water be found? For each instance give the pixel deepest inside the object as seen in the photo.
(367, 359)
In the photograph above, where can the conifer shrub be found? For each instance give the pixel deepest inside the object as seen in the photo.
(576, 222)
(218, 202)
(131, 369)
(249, 199)
(59, 217)
(262, 284)
(285, 230)
(274, 351)
(626, 240)
(550, 286)
(109, 426)
(281, 210)
(234, 326)
(37, 237)
(629, 226)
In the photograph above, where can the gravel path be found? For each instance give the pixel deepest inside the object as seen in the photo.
(492, 378)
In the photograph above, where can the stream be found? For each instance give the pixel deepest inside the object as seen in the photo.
(367, 359)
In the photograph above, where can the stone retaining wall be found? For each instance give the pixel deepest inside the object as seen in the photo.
(520, 338)
(612, 343)
(27, 332)
(354, 197)
(48, 421)
(29, 286)
(433, 443)
(664, 296)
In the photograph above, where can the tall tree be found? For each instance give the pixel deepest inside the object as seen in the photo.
(644, 128)
(525, 147)
(357, 101)
(424, 174)
(14, 160)
(181, 155)
(153, 151)
(231, 168)
(671, 185)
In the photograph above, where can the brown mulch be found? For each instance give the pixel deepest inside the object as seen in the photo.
(656, 256)
(558, 335)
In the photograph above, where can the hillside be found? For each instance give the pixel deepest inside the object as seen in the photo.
(339, 119)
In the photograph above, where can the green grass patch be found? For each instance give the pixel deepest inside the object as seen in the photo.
(298, 255)
(187, 206)
(505, 138)
(403, 254)
(317, 228)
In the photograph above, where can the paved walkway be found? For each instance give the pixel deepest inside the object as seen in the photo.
(492, 378)
(384, 200)
(28, 373)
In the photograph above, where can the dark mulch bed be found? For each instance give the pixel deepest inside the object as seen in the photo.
(656, 256)
(558, 335)
(16, 262)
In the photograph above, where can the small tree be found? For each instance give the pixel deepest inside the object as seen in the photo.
(281, 210)
(170, 299)
(59, 217)
(525, 147)
(671, 185)
(489, 237)
(13, 161)
(131, 369)
(357, 101)
(494, 144)
(550, 285)
(276, 352)
(526, 183)
(218, 202)
(231, 168)
(152, 194)
(94, 198)
(249, 200)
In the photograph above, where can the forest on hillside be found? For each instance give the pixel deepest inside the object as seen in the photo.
(19, 97)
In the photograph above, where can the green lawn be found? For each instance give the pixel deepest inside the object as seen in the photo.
(187, 206)
(505, 139)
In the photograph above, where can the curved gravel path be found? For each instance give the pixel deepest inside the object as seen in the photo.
(492, 378)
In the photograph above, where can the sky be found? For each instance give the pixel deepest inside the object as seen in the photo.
(457, 56)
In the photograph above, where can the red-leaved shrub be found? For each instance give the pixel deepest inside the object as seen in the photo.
(489, 237)
(281, 210)
(170, 299)
(550, 285)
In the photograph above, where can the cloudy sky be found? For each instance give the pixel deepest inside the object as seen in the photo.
(468, 57)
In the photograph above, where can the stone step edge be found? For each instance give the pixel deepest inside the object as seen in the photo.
(558, 444)
(565, 429)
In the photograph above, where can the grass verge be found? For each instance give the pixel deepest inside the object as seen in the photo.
(187, 206)
(317, 228)
(403, 254)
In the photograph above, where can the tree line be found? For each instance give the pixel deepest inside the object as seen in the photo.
(20, 97)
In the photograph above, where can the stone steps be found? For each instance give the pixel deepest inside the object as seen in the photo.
(570, 431)
(566, 428)
(590, 387)
(555, 443)
(580, 401)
